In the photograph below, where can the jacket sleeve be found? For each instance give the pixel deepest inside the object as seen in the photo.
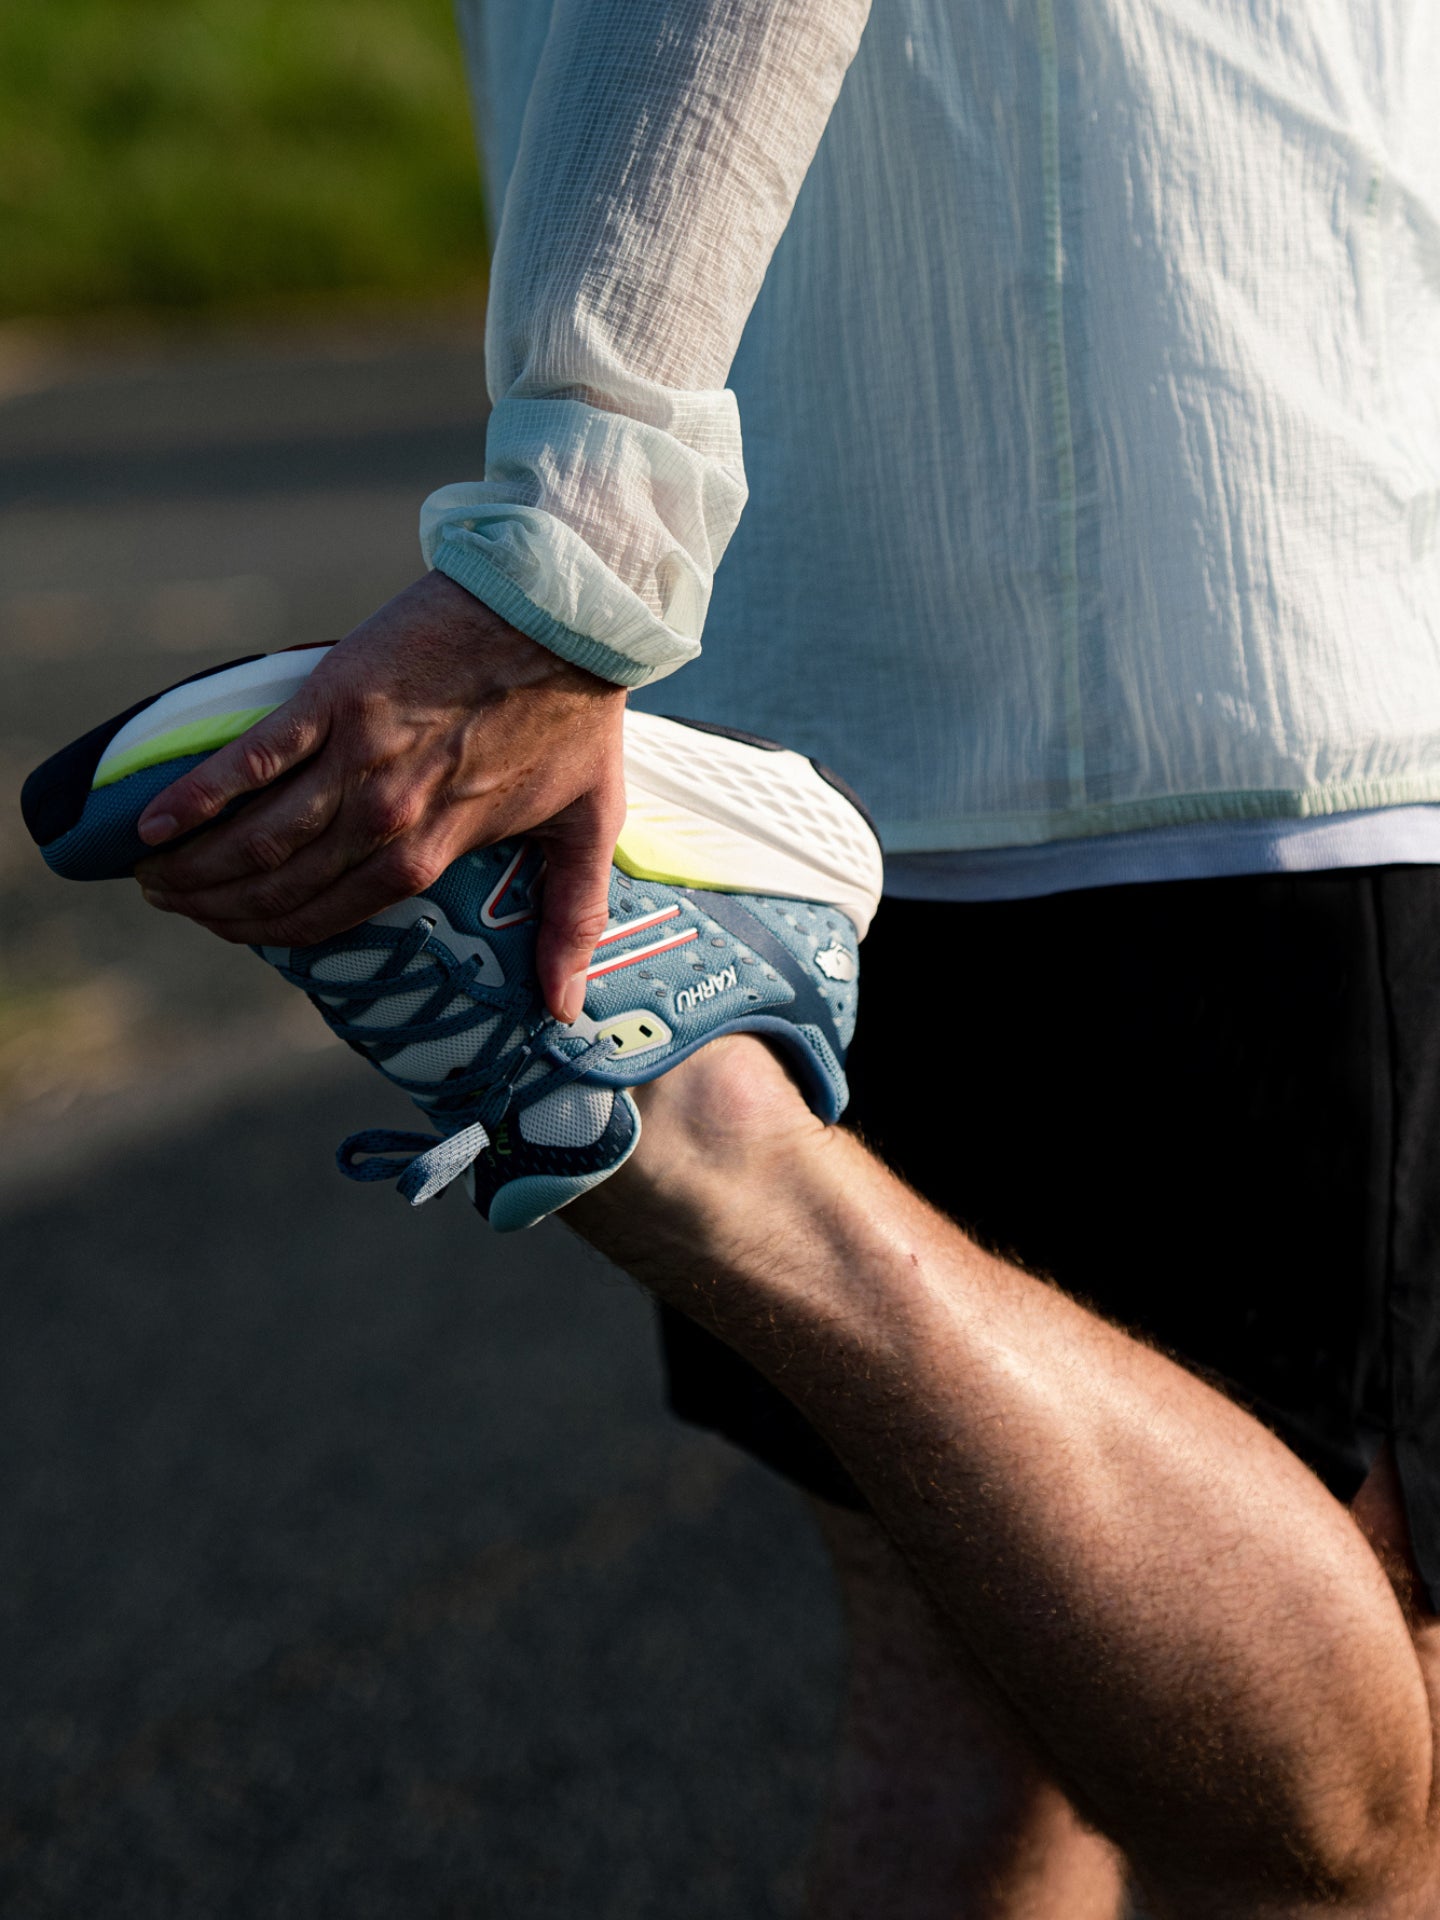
(662, 149)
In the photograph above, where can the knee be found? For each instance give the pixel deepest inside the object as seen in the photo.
(1370, 1856)
(1390, 1866)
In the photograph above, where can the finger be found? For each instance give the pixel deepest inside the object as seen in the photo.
(261, 838)
(254, 759)
(576, 904)
(309, 872)
(390, 875)
(256, 881)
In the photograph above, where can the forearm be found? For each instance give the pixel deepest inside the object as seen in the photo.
(665, 142)
(664, 145)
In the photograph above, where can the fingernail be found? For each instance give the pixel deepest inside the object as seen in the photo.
(572, 1001)
(155, 898)
(155, 827)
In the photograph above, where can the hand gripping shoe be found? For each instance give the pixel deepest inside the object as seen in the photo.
(743, 882)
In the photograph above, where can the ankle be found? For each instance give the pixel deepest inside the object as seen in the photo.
(731, 1102)
(718, 1125)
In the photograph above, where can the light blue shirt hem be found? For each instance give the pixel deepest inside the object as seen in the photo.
(1386, 837)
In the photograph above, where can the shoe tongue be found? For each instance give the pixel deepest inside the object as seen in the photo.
(573, 1116)
(456, 942)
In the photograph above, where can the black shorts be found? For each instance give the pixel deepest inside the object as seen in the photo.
(1210, 1108)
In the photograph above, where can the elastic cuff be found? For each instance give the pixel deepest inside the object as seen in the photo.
(477, 575)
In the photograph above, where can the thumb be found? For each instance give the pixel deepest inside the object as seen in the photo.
(578, 846)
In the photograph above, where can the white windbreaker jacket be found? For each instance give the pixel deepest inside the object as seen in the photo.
(1088, 359)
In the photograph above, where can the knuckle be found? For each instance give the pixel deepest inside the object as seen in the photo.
(268, 899)
(198, 798)
(584, 927)
(388, 815)
(264, 849)
(262, 761)
(311, 819)
(297, 726)
(412, 868)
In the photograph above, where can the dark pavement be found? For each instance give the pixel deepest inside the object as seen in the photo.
(350, 1563)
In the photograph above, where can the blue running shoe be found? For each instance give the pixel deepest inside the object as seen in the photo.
(743, 882)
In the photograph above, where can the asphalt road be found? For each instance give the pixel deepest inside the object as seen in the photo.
(350, 1563)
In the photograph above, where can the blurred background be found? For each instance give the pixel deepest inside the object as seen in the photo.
(350, 1562)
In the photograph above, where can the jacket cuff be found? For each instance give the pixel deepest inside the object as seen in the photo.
(470, 569)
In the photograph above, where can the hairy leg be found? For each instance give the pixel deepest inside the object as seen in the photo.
(938, 1807)
(1194, 1635)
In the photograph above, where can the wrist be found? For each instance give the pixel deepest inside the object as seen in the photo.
(475, 575)
(513, 661)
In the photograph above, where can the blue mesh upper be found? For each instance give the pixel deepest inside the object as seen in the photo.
(745, 964)
(103, 844)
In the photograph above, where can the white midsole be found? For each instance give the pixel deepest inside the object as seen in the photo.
(707, 811)
(267, 682)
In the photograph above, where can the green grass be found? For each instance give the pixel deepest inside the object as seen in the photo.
(186, 153)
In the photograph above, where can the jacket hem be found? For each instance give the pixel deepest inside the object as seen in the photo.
(970, 833)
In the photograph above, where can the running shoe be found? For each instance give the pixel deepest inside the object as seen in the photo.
(743, 882)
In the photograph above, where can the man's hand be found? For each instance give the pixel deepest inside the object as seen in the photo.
(434, 727)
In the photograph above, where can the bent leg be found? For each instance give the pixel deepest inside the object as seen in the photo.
(938, 1808)
(1193, 1633)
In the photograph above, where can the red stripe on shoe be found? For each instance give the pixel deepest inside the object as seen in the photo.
(642, 953)
(638, 926)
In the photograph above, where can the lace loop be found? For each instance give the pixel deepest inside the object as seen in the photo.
(380, 1141)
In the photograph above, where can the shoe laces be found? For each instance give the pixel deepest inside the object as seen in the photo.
(469, 1103)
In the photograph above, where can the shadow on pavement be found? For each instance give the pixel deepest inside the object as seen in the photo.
(354, 1567)
(351, 1563)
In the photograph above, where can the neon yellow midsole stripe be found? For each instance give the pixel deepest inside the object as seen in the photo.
(643, 859)
(200, 736)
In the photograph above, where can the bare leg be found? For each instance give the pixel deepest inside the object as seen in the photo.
(1195, 1636)
(938, 1807)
